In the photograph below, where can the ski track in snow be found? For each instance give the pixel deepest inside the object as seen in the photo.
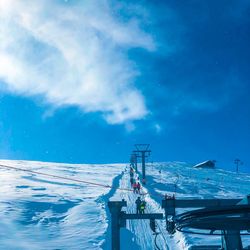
(41, 213)
(143, 235)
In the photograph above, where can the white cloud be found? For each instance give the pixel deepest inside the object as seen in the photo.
(72, 54)
(158, 128)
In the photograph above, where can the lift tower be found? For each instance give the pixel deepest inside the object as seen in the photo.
(237, 162)
(142, 150)
(133, 160)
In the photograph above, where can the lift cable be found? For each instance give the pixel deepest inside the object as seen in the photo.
(63, 178)
(72, 179)
(162, 234)
(156, 246)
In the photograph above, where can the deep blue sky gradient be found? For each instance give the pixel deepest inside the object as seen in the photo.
(196, 86)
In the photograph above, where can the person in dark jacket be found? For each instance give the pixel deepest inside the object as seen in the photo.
(131, 174)
(138, 205)
(131, 181)
(138, 187)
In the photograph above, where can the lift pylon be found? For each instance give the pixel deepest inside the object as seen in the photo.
(133, 161)
(142, 151)
(115, 208)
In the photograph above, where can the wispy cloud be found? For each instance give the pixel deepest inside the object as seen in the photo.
(73, 54)
(158, 128)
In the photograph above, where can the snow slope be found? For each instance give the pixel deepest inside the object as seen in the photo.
(38, 212)
(186, 182)
(41, 212)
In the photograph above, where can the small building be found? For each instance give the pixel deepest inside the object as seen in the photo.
(205, 164)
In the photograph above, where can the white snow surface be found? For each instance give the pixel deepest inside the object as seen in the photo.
(41, 212)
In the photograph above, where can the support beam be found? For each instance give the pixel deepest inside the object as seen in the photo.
(205, 247)
(115, 210)
(157, 216)
(199, 202)
(171, 204)
(231, 240)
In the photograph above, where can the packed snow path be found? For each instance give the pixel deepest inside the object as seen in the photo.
(142, 236)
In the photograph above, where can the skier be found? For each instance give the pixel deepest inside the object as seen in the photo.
(131, 173)
(134, 185)
(131, 181)
(138, 187)
(142, 207)
(138, 205)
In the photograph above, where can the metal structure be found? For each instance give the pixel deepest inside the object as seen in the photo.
(133, 161)
(119, 217)
(142, 151)
(229, 216)
(237, 162)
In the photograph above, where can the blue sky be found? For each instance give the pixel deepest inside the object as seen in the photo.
(82, 81)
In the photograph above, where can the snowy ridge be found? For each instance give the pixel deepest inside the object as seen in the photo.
(38, 212)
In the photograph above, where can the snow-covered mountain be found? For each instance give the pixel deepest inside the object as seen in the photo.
(44, 212)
